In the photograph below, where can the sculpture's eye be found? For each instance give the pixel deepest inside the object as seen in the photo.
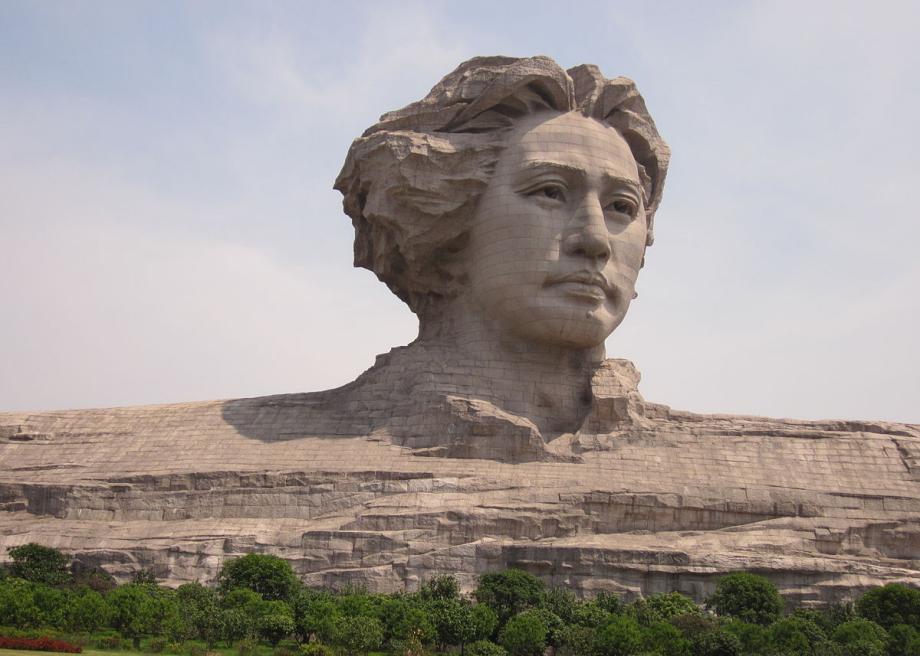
(552, 192)
(624, 206)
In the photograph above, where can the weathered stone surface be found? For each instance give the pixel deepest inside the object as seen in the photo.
(511, 210)
(670, 501)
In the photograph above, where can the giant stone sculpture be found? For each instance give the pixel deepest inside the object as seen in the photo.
(510, 209)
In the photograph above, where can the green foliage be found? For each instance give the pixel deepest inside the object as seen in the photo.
(269, 576)
(621, 636)
(144, 577)
(275, 621)
(795, 635)
(747, 597)
(316, 649)
(236, 624)
(485, 648)
(39, 564)
(562, 603)
(903, 640)
(860, 630)
(665, 639)
(609, 602)
(716, 643)
(576, 640)
(17, 604)
(891, 605)
(509, 592)
(692, 625)
(94, 578)
(86, 611)
(444, 586)
(357, 634)
(754, 638)
(139, 610)
(200, 608)
(452, 620)
(524, 635)
(662, 607)
(315, 613)
(591, 614)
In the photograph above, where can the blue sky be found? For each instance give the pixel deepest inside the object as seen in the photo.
(169, 231)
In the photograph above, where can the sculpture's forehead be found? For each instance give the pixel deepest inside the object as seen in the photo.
(574, 140)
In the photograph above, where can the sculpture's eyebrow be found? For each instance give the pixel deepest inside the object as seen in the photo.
(581, 173)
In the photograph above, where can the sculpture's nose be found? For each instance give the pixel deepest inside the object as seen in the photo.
(587, 234)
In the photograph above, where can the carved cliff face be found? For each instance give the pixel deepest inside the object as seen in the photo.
(558, 236)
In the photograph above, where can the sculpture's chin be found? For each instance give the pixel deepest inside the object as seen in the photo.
(577, 330)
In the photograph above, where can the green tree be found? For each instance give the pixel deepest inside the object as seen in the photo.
(562, 603)
(662, 607)
(524, 635)
(444, 586)
(17, 604)
(201, 609)
(485, 648)
(404, 619)
(903, 640)
(358, 634)
(796, 635)
(891, 605)
(39, 564)
(135, 611)
(236, 624)
(860, 635)
(665, 639)
(747, 597)
(269, 576)
(576, 640)
(453, 621)
(509, 592)
(86, 611)
(275, 621)
(716, 643)
(621, 636)
(754, 638)
(52, 605)
(590, 614)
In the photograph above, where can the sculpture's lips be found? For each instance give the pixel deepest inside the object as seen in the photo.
(590, 284)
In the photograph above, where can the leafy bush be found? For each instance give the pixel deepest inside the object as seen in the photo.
(39, 564)
(246, 647)
(358, 634)
(576, 640)
(485, 648)
(621, 636)
(524, 635)
(891, 605)
(316, 649)
(747, 597)
(156, 645)
(109, 642)
(509, 592)
(591, 614)
(269, 576)
(860, 630)
(39, 644)
(716, 643)
(662, 607)
(444, 586)
(665, 639)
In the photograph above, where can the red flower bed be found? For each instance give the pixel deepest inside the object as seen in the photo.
(39, 644)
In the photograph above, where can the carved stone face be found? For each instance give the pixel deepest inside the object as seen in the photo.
(559, 234)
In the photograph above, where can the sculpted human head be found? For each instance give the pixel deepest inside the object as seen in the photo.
(524, 188)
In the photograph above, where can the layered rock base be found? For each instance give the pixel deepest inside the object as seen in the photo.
(663, 500)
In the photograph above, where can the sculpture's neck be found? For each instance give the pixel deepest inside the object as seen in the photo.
(549, 384)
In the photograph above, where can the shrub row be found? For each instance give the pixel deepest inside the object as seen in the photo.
(39, 644)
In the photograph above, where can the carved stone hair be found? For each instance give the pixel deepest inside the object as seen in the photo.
(411, 182)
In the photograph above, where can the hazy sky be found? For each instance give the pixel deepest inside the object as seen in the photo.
(169, 232)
